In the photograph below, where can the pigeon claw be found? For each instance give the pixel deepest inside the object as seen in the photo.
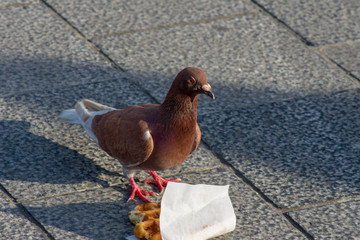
(159, 181)
(137, 191)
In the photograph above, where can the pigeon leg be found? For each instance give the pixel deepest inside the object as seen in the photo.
(136, 190)
(159, 181)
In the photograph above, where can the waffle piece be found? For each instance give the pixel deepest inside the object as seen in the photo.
(146, 218)
(149, 229)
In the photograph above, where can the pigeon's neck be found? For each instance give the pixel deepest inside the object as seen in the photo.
(180, 106)
(175, 120)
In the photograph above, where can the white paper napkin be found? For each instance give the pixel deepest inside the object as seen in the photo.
(195, 212)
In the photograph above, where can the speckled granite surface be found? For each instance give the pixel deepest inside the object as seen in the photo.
(283, 131)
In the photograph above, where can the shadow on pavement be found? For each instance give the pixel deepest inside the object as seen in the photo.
(97, 220)
(26, 157)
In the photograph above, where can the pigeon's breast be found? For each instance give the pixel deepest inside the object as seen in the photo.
(171, 149)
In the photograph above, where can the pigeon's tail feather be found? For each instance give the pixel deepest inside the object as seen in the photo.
(78, 115)
(84, 112)
(70, 116)
(81, 111)
(84, 109)
(94, 106)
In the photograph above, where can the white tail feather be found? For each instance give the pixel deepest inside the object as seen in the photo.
(82, 111)
(82, 115)
(70, 116)
(94, 106)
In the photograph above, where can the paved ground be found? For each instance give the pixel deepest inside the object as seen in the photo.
(284, 130)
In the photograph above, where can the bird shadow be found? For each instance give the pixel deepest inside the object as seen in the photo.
(27, 157)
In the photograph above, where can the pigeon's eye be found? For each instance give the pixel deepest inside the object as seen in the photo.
(191, 80)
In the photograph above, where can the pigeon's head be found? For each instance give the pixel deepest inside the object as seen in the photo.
(192, 81)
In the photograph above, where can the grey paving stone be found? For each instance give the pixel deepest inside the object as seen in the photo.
(39, 52)
(297, 152)
(339, 221)
(15, 3)
(320, 22)
(98, 17)
(33, 166)
(44, 156)
(248, 61)
(102, 214)
(13, 224)
(347, 55)
(98, 214)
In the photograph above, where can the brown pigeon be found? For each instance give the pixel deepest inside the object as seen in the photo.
(150, 137)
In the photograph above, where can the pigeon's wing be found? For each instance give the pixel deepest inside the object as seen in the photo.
(124, 134)
(197, 138)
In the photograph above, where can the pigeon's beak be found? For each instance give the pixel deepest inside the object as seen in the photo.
(206, 89)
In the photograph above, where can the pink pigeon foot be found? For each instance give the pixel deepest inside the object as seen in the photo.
(159, 181)
(136, 190)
